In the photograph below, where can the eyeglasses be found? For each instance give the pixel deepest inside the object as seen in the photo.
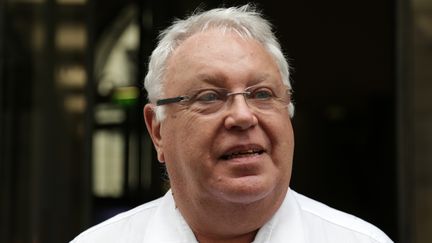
(211, 100)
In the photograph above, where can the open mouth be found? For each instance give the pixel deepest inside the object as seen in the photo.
(242, 154)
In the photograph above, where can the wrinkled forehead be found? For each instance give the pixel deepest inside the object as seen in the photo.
(215, 52)
(204, 38)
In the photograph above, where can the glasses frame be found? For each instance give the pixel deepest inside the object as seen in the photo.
(245, 94)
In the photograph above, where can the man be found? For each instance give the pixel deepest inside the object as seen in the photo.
(220, 119)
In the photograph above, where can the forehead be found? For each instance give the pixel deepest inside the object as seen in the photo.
(219, 56)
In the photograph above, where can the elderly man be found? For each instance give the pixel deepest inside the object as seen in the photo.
(220, 119)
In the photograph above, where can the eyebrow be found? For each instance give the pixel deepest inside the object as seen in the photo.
(263, 77)
(218, 80)
(213, 79)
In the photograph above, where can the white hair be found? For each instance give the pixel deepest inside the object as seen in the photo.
(244, 20)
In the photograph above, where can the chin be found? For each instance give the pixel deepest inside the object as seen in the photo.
(246, 190)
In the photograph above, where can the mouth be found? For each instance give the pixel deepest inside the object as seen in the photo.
(242, 153)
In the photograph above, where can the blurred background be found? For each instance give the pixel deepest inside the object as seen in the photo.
(73, 144)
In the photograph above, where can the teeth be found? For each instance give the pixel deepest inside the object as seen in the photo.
(242, 153)
(250, 151)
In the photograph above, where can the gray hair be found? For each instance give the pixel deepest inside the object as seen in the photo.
(245, 21)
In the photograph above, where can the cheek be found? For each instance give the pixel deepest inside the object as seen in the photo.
(189, 142)
(188, 138)
(282, 140)
(280, 125)
(280, 134)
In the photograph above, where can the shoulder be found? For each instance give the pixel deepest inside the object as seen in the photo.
(121, 225)
(325, 218)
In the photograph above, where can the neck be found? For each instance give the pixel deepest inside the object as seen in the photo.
(213, 221)
(246, 238)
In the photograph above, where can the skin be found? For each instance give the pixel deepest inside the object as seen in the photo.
(223, 200)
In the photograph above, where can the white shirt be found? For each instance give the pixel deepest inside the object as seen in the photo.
(298, 220)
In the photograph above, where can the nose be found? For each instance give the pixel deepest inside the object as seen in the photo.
(239, 115)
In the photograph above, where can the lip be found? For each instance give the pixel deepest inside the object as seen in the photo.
(242, 152)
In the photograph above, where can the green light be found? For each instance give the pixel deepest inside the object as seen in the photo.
(126, 96)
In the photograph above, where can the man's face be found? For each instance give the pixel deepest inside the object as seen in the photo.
(234, 155)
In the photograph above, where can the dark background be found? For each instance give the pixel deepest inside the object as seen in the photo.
(343, 57)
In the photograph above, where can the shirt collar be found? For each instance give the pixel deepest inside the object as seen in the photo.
(286, 224)
(167, 225)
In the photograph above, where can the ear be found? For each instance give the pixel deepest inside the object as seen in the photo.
(154, 129)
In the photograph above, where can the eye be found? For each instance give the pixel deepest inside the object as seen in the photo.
(208, 96)
(261, 94)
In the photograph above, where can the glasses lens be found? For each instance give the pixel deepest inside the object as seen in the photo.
(208, 101)
(265, 98)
